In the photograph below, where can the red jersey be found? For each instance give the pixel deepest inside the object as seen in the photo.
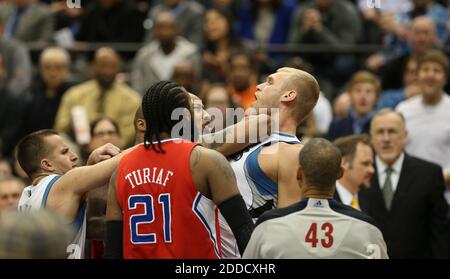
(164, 214)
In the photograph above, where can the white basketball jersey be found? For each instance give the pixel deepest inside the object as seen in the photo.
(259, 192)
(316, 229)
(35, 198)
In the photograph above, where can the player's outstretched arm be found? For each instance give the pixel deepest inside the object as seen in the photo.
(222, 189)
(238, 136)
(114, 223)
(81, 180)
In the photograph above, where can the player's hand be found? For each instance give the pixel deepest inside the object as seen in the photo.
(102, 153)
(259, 125)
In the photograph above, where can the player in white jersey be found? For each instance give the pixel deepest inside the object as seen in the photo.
(265, 173)
(58, 184)
(317, 226)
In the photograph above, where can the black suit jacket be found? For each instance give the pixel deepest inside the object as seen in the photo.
(416, 226)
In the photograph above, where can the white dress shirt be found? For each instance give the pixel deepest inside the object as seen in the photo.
(345, 195)
(395, 175)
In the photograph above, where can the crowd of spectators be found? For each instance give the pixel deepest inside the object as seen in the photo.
(220, 50)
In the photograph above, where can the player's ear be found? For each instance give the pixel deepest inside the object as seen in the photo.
(289, 96)
(47, 165)
(141, 125)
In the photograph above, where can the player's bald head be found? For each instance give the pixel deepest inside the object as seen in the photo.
(320, 162)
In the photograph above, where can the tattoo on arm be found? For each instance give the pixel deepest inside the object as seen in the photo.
(224, 167)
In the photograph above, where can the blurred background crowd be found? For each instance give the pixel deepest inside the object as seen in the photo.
(102, 57)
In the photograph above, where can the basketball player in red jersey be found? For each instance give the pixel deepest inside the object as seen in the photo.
(162, 199)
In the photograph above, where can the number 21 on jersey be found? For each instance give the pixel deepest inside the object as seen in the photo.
(327, 231)
(148, 217)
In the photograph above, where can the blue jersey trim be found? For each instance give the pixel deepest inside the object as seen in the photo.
(264, 184)
(47, 190)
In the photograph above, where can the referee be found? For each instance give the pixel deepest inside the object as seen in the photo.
(317, 226)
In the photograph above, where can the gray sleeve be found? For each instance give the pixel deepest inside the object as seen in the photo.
(253, 249)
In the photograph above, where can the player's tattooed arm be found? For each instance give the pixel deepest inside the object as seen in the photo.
(237, 137)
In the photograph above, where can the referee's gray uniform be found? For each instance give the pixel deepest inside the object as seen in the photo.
(316, 228)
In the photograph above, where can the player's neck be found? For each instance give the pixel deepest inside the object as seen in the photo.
(313, 193)
(287, 125)
(36, 179)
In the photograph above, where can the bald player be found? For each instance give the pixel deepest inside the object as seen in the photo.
(265, 172)
(317, 226)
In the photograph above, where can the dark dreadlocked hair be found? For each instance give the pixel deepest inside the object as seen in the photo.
(158, 103)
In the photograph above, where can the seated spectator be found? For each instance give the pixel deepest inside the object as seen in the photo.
(341, 105)
(103, 130)
(266, 22)
(12, 111)
(102, 96)
(67, 21)
(10, 190)
(375, 17)
(242, 79)
(392, 97)
(185, 74)
(427, 115)
(156, 60)
(363, 89)
(28, 21)
(47, 90)
(5, 168)
(397, 30)
(111, 21)
(188, 15)
(218, 98)
(330, 22)
(17, 62)
(219, 43)
(422, 39)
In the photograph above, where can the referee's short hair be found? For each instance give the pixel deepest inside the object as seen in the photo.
(320, 161)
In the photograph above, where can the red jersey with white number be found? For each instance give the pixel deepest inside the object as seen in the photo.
(164, 214)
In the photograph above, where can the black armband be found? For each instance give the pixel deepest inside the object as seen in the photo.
(114, 239)
(236, 214)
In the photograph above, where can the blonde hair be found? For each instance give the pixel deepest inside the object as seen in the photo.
(365, 77)
(307, 89)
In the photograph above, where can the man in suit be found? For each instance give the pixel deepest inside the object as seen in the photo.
(28, 21)
(406, 197)
(357, 162)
